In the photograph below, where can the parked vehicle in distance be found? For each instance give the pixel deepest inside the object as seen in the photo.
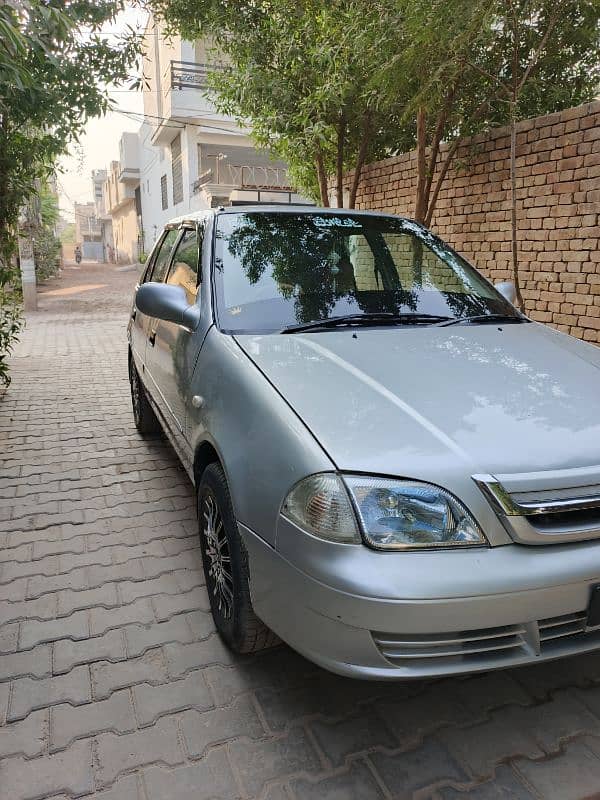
(397, 472)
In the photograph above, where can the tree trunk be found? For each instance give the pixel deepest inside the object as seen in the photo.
(420, 199)
(341, 133)
(513, 207)
(322, 178)
(360, 160)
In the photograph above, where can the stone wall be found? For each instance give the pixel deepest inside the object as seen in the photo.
(558, 185)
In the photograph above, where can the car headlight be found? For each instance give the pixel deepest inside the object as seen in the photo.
(320, 505)
(392, 514)
(399, 515)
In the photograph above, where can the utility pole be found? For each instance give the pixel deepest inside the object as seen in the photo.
(26, 258)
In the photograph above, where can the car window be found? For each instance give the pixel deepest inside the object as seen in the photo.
(161, 262)
(279, 269)
(184, 268)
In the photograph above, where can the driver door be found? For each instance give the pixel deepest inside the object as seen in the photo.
(172, 349)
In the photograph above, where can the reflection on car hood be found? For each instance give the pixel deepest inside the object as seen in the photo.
(507, 399)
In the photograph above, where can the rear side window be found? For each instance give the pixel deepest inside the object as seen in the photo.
(161, 262)
(184, 269)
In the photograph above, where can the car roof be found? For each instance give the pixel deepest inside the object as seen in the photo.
(196, 216)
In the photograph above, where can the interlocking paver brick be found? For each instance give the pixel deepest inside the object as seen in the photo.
(42, 608)
(108, 647)
(354, 735)
(141, 637)
(4, 695)
(209, 779)
(200, 730)
(68, 723)
(356, 784)
(29, 694)
(69, 771)
(105, 595)
(107, 676)
(156, 745)
(184, 657)
(102, 619)
(9, 636)
(321, 694)
(129, 787)
(27, 737)
(572, 775)
(36, 663)
(275, 669)
(505, 785)
(167, 605)
(201, 623)
(481, 747)
(406, 773)
(258, 762)
(152, 702)
(411, 718)
(33, 632)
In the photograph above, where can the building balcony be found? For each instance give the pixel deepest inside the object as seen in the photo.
(244, 176)
(185, 96)
(191, 75)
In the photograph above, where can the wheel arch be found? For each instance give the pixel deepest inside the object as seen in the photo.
(205, 454)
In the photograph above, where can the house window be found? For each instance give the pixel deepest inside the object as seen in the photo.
(177, 170)
(163, 192)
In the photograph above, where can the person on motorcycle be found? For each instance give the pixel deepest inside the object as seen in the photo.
(78, 254)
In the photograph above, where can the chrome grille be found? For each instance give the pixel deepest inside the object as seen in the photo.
(489, 647)
(559, 627)
(404, 648)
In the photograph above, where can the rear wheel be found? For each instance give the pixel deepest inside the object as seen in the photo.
(225, 562)
(143, 413)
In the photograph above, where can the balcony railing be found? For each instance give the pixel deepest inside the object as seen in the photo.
(191, 75)
(244, 176)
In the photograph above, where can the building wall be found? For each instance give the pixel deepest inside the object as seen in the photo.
(558, 191)
(125, 233)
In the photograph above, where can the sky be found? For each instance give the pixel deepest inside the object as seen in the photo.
(99, 144)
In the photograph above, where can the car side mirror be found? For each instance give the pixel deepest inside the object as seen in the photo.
(507, 290)
(168, 303)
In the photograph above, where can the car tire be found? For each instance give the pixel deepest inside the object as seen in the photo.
(143, 414)
(225, 563)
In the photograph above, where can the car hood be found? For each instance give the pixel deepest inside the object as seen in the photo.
(419, 401)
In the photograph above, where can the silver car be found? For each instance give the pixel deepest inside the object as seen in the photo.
(397, 472)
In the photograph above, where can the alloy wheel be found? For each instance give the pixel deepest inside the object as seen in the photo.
(220, 576)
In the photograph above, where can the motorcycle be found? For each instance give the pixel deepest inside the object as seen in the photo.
(78, 256)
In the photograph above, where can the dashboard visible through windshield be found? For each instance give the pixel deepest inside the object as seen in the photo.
(277, 270)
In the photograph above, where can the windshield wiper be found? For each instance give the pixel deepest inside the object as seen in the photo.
(485, 319)
(387, 318)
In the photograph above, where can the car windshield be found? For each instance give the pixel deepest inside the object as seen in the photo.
(276, 270)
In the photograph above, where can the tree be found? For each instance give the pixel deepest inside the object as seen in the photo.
(302, 74)
(545, 56)
(54, 71)
(467, 66)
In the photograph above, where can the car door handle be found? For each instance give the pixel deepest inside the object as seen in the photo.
(152, 338)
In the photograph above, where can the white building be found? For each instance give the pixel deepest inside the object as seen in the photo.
(192, 157)
(123, 201)
(99, 188)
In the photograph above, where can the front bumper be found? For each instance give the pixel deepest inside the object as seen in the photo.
(378, 615)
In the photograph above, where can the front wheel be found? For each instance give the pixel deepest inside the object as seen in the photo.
(225, 562)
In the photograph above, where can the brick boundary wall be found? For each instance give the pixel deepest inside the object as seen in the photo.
(558, 190)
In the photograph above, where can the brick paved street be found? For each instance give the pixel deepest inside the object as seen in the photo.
(113, 684)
